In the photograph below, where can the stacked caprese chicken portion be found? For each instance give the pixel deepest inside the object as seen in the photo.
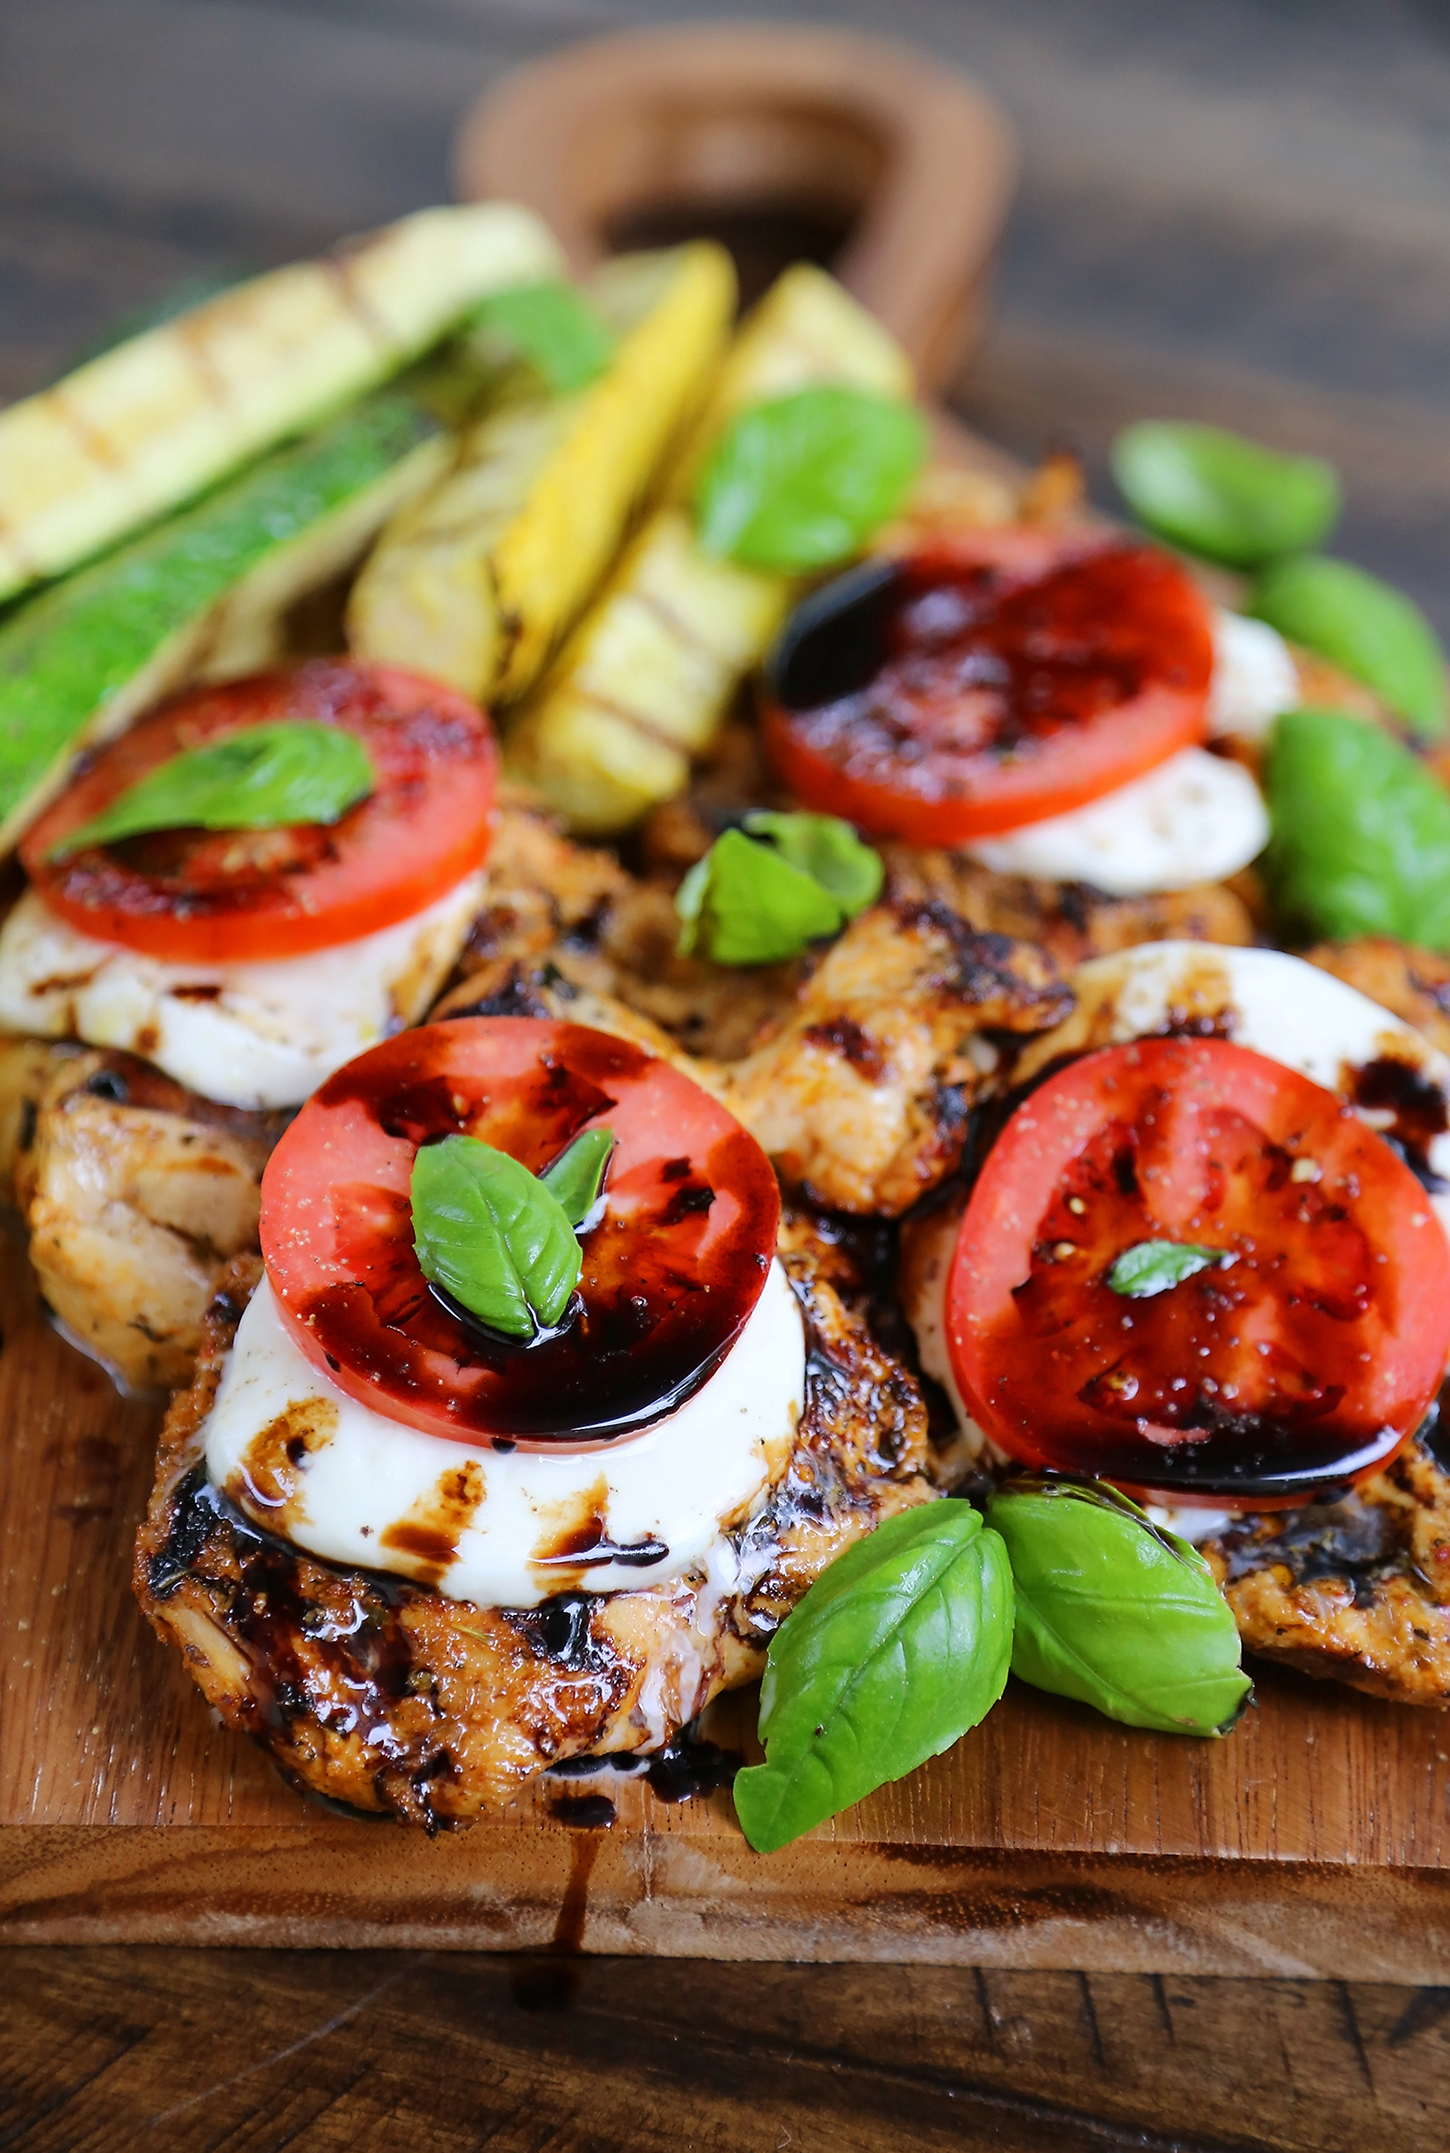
(1040, 700)
(512, 1457)
(224, 905)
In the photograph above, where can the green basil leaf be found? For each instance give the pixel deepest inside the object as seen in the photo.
(828, 849)
(1115, 1612)
(1365, 627)
(1153, 1266)
(1359, 833)
(802, 482)
(492, 1236)
(1216, 494)
(554, 328)
(897, 1649)
(577, 1175)
(746, 904)
(256, 779)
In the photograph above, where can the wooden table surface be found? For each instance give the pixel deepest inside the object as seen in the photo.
(1233, 211)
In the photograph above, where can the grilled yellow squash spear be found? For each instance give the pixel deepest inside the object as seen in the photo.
(476, 581)
(148, 424)
(644, 682)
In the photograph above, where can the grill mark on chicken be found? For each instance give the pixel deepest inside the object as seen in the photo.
(844, 1036)
(1071, 920)
(386, 1696)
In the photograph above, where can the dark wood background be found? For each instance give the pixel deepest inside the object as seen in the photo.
(1233, 210)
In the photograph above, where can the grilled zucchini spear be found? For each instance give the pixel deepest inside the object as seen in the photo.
(148, 424)
(199, 595)
(644, 682)
(476, 581)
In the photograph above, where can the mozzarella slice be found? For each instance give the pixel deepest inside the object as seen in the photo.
(1254, 677)
(251, 1035)
(1196, 818)
(503, 1528)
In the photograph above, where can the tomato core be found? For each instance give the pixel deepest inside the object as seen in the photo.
(1307, 1354)
(249, 896)
(1002, 678)
(671, 1272)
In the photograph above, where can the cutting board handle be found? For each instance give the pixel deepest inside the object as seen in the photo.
(893, 169)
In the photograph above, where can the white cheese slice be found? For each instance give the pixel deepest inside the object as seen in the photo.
(328, 1474)
(1254, 677)
(1196, 818)
(1190, 1524)
(251, 1035)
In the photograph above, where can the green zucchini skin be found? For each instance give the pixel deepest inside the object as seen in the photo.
(198, 595)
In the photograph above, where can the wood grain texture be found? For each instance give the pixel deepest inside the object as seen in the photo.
(104, 2050)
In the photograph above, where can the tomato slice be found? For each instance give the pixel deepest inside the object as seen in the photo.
(1000, 678)
(240, 896)
(671, 1272)
(1307, 1358)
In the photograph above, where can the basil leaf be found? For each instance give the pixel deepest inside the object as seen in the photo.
(1153, 1266)
(577, 1175)
(255, 779)
(896, 1650)
(828, 849)
(492, 1236)
(746, 904)
(1359, 833)
(555, 329)
(1216, 494)
(803, 481)
(1366, 627)
(1115, 1612)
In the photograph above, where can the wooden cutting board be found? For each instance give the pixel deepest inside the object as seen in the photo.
(1315, 1841)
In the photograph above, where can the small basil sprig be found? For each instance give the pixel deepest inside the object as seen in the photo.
(499, 1240)
(1223, 497)
(554, 328)
(261, 778)
(1116, 1613)
(1359, 833)
(802, 482)
(750, 902)
(1151, 1267)
(1366, 627)
(896, 1650)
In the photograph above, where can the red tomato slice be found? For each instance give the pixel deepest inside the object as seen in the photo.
(670, 1274)
(1021, 673)
(238, 896)
(1307, 1359)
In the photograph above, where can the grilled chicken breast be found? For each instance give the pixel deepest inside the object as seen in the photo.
(136, 1194)
(394, 1699)
(1358, 1589)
